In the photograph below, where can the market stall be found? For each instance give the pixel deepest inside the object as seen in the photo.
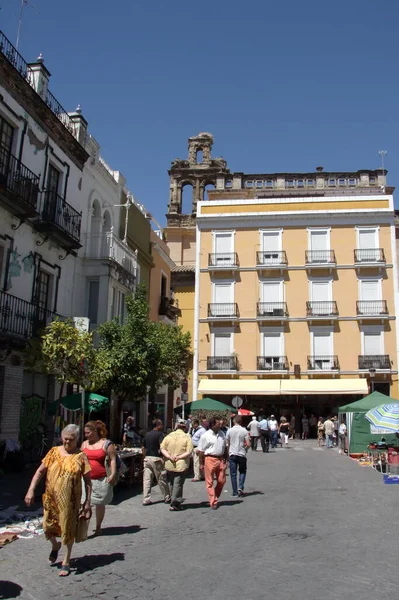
(133, 461)
(359, 431)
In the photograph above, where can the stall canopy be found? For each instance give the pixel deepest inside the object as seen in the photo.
(74, 402)
(281, 387)
(359, 432)
(204, 404)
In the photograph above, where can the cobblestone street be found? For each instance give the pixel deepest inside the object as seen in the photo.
(313, 525)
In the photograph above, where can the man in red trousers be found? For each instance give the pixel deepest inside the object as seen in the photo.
(212, 451)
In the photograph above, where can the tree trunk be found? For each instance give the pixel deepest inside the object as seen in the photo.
(115, 419)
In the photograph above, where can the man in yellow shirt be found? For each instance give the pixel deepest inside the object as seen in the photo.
(177, 448)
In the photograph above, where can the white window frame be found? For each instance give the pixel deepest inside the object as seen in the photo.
(369, 278)
(263, 282)
(326, 230)
(217, 233)
(374, 228)
(328, 280)
(216, 282)
(263, 333)
(373, 329)
(279, 231)
(324, 331)
(222, 331)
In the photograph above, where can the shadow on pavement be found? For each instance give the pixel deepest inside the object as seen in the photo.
(8, 589)
(256, 493)
(95, 561)
(118, 530)
(122, 493)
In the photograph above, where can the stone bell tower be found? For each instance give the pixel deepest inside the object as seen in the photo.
(199, 170)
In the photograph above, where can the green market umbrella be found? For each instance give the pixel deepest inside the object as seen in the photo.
(74, 402)
(205, 404)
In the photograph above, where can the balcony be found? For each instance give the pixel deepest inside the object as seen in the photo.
(168, 309)
(271, 259)
(22, 319)
(266, 311)
(19, 187)
(369, 257)
(323, 363)
(272, 363)
(320, 258)
(223, 261)
(106, 246)
(59, 220)
(374, 361)
(322, 310)
(221, 363)
(223, 312)
(371, 309)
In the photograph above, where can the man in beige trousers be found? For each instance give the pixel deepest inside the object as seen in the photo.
(154, 467)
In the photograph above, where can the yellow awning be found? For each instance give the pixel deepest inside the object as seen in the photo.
(323, 386)
(258, 387)
(277, 387)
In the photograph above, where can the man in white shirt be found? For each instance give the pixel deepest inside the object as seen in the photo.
(253, 428)
(273, 428)
(329, 432)
(238, 442)
(212, 453)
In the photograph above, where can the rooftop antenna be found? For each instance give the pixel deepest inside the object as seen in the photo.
(21, 14)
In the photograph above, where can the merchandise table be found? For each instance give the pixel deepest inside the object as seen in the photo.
(133, 460)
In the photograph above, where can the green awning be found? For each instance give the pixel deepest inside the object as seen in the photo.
(366, 403)
(205, 404)
(74, 402)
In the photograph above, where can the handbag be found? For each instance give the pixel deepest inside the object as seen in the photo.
(82, 526)
(121, 468)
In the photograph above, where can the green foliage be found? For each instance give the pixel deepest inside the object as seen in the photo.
(68, 353)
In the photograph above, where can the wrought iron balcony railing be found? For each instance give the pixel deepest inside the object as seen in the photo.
(15, 59)
(17, 180)
(271, 258)
(54, 210)
(323, 363)
(320, 257)
(223, 260)
(271, 309)
(374, 361)
(372, 308)
(21, 318)
(221, 363)
(321, 309)
(108, 246)
(272, 363)
(168, 308)
(370, 256)
(223, 310)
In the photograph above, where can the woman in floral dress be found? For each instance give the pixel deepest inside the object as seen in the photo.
(64, 466)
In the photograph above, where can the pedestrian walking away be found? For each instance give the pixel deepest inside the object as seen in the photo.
(177, 448)
(64, 467)
(273, 428)
(264, 434)
(196, 434)
(254, 430)
(212, 448)
(284, 431)
(100, 452)
(238, 442)
(154, 465)
(329, 432)
(305, 427)
(320, 431)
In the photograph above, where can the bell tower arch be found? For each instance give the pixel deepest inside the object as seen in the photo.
(198, 171)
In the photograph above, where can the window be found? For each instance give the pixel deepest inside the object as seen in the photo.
(259, 184)
(118, 304)
(300, 183)
(352, 181)
(331, 182)
(370, 289)
(53, 180)
(43, 290)
(373, 180)
(367, 238)
(341, 181)
(322, 350)
(6, 134)
(272, 292)
(319, 244)
(290, 183)
(372, 343)
(222, 344)
(273, 349)
(223, 294)
(164, 286)
(310, 182)
(249, 184)
(271, 246)
(223, 248)
(269, 183)
(229, 183)
(94, 291)
(321, 296)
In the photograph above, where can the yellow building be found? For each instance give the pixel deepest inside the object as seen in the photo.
(295, 283)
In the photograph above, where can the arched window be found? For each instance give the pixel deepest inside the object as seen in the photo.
(95, 229)
(187, 199)
(105, 240)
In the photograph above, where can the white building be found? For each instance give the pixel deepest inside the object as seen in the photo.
(42, 155)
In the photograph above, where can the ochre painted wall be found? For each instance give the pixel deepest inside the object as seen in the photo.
(185, 296)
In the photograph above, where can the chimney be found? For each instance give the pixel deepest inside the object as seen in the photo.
(79, 125)
(40, 76)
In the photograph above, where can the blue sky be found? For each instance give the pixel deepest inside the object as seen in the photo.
(283, 86)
